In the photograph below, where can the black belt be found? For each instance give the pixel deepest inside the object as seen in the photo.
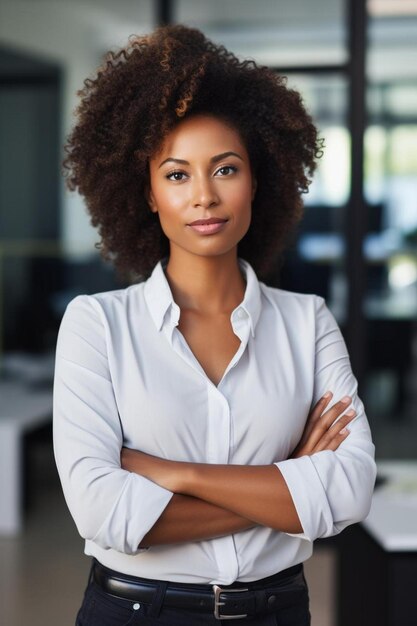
(234, 601)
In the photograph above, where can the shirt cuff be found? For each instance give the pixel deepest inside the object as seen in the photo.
(309, 497)
(140, 505)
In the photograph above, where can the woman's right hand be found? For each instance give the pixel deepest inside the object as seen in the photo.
(321, 432)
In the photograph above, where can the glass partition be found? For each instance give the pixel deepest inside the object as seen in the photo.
(278, 34)
(316, 261)
(390, 183)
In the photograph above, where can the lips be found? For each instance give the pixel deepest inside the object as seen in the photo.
(212, 220)
(207, 228)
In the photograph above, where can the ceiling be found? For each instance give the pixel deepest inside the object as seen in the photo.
(280, 33)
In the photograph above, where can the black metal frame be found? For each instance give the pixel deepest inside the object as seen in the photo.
(356, 217)
(164, 12)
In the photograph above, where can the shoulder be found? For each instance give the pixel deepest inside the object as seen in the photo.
(105, 303)
(299, 311)
(95, 316)
(290, 300)
(89, 320)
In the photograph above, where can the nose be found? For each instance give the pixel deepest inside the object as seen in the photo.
(204, 192)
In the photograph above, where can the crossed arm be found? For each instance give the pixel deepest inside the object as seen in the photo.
(215, 500)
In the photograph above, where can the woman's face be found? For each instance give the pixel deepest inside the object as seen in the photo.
(202, 171)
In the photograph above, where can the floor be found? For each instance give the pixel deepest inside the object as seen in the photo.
(49, 556)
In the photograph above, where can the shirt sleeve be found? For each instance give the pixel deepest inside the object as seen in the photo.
(110, 506)
(332, 489)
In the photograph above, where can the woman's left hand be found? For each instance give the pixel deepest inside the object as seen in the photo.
(167, 474)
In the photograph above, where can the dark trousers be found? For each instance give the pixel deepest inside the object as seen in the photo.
(101, 609)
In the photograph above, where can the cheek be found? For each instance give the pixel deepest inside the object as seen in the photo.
(244, 199)
(241, 194)
(170, 202)
(240, 199)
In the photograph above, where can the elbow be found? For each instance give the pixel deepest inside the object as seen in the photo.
(360, 508)
(358, 500)
(364, 500)
(107, 536)
(104, 525)
(88, 528)
(358, 511)
(102, 506)
(107, 507)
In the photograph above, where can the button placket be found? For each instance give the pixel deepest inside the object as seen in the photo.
(218, 451)
(218, 427)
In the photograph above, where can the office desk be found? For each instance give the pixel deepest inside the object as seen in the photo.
(21, 409)
(377, 563)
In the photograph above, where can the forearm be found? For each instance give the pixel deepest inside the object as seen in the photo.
(187, 518)
(258, 493)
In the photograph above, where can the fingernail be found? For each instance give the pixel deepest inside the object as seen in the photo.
(345, 400)
(327, 394)
(344, 431)
(350, 413)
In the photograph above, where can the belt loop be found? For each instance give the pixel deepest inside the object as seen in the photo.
(158, 599)
(90, 578)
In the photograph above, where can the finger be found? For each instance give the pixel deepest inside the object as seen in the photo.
(342, 421)
(320, 405)
(329, 417)
(337, 439)
(333, 433)
(323, 425)
(315, 414)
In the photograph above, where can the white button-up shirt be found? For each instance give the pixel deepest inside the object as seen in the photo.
(125, 376)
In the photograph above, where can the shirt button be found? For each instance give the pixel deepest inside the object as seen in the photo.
(136, 606)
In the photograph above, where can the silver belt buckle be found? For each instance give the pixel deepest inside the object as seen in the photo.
(217, 604)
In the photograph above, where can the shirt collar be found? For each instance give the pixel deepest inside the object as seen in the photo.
(164, 309)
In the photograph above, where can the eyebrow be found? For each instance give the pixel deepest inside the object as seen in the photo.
(214, 159)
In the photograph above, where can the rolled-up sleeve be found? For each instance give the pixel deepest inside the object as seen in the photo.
(110, 506)
(332, 489)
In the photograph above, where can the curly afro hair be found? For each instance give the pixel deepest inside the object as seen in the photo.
(138, 95)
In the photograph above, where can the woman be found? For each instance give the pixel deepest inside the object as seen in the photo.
(189, 454)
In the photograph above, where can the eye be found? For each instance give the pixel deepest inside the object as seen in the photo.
(177, 174)
(227, 170)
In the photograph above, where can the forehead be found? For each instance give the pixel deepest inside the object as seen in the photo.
(199, 135)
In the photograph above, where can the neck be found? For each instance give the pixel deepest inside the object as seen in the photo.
(206, 284)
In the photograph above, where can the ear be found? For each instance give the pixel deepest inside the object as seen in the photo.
(150, 199)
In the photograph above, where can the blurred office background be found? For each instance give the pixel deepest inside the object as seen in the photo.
(355, 64)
